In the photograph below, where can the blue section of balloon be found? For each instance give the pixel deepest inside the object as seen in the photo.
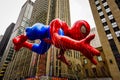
(41, 48)
(40, 31)
(37, 31)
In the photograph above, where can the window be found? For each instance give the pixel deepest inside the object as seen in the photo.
(100, 10)
(99, 7)
(112, 20)
(101, 17)
(85, 61)
(109, 36)
(106, 28)
(118, 3)
(86, 71)
(114, 24)
(105, 24)
(96, 2)
(99, 58)
(116, 29)
(94, 71)
(105, 4)
(103, 71)
(109, 13)
(107, 32)
(103, 1)
(107, 10)
(117, 33)
(110, 17)
(103, 20)
(101, 13)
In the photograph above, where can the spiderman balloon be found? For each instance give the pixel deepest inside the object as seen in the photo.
(59, 34)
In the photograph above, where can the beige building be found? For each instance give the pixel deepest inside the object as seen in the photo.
(106, 14)
(91, 71)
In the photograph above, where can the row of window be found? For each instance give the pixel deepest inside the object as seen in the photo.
(108, 33)
(76, 54)
(94, 71)
(112, 20)
(85, 60)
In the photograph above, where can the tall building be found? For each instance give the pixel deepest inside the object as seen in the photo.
(27, 64)
(107, 17)
(99, 71)
(3, 46)
(45, 11)
(96, 41)
(1, 36)
(5, 39)
(15, 65)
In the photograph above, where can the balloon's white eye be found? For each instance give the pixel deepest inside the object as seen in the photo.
(83, 29)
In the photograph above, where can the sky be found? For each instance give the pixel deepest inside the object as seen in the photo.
(10, 9)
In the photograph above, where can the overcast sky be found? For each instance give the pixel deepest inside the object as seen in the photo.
(10, 9)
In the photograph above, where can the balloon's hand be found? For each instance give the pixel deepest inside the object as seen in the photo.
(87, 50)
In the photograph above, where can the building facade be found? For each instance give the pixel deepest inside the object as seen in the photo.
(5, 39)
(45, 11)
(99, 71)
(17, 63)
(1, 36)
(3, 46)
(107, 17)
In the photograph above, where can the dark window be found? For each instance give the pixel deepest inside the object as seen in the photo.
(106, 7)
(113, 47)
(116, 29)
(118, 3)
(107, 32)
(115, 52)
(94, 71)
(103, 1)
(99, 10)
(59, 72)
(101, 17)
(118, 38)
(103, 71)
(109, 13)
(98, 4)
(86, 71)
(105, 24)
(112, 20)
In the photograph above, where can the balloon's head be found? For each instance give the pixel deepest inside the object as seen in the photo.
(79, 30)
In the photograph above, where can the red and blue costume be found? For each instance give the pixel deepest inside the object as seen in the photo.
(59, 34)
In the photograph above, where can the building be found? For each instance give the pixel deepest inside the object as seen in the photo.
(96, 41)
(10, 64)
(5, 39)
(91, 71)
(44, 12)
(107, 17)
(3, 45)
(1, 36)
